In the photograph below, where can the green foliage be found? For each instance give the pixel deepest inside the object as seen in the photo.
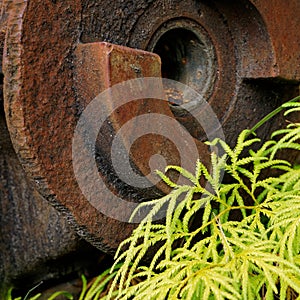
(65, 294)
(99, 284)
(247, 243)
(90, 291)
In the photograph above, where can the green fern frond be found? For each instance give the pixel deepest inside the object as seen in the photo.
(207, 213)
(166, 179)
(256, 257)
(291, 181)
(294, 104)
(184, 173)
(192, 210)
(293, 110)
(244, 141)
(290, 137)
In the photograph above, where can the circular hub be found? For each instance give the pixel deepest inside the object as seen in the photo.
(187, 55)
(213, 46)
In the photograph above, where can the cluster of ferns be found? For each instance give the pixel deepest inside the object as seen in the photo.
(253, 256)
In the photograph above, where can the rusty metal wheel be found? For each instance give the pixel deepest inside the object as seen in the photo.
(228, 51)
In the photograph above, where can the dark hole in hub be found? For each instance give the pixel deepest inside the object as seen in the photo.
(178, 50)
(187, 56)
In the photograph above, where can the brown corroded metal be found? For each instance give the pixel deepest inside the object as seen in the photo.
(100, 66)
(43, 127)
(255, 53)
(282, 23)
(37, 243)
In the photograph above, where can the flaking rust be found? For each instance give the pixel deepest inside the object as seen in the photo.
(112, 64)
(56, 59)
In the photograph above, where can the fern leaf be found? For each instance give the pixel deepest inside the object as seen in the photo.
(192, 209)
(166, 179)
(242, 142)
(207, 212)
(183, 172)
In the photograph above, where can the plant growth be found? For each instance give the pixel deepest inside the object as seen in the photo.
(247, 243)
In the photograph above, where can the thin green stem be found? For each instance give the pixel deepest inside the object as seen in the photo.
(271, 115)
(31, 290)
(218, 216)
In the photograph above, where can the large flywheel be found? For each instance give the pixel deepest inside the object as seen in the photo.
(59, 56)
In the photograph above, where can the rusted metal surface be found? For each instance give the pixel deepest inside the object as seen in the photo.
(54, 64)
(36, 242)
(282, 24)
(100, 66)
(42, 127)
(41, 69)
